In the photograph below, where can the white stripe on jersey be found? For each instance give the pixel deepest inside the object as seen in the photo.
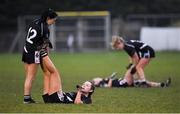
(44, 54)
(69, 98)
(130, 45)
(140, 54)
(144, 45)
(25, 49)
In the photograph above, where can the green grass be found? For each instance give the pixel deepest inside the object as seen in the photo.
(77, 68)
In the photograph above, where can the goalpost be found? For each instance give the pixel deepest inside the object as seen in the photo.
(77, 31)
(89, 30)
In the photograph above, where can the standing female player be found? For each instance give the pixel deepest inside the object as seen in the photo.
(36, 51)
(139, 52)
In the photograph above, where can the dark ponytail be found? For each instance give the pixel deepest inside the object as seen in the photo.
(48, 14)
(92, 88)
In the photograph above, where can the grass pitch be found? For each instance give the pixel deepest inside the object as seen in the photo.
(77, 68)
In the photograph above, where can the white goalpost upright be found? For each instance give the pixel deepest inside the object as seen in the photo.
(90, 30)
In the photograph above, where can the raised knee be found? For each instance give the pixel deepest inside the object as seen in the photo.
(55, 71)
(46, 73)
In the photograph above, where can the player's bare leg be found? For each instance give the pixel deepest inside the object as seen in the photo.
(46, 84)
(159, 84)
(55, 86)
(126, 81)
(31, 70)
(54, 80)
(140, 68)
(128, 77)
(46, 75)
(153, 84)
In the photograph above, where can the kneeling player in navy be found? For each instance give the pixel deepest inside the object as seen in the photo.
(82, 96)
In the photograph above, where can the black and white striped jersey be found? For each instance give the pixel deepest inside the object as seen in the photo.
(69, 97)
(142, 49)
(37, 33)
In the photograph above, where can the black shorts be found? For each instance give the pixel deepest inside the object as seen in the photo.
(147, 52)
(116, 83)
(30, 57)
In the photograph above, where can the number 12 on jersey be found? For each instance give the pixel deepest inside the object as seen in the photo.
(31, 34)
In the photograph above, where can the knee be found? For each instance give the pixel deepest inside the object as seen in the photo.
(54, 71)
(53, 74)
(46, 73)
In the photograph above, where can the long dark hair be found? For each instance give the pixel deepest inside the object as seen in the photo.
(48, 14)
(92, 88)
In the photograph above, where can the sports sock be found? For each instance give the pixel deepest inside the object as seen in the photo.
(27, 98)
(141, 80)
(162, 84)
(123, 83)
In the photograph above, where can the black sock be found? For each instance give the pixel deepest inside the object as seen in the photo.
(27, 97)
(123, 83)
(162, 84)
(46, 98)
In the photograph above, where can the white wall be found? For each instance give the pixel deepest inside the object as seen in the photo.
(160, 38)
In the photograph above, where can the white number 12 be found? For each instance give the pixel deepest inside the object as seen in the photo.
(29, 38)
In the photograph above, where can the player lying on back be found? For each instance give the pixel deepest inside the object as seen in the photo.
(112, 81)
(82, 96)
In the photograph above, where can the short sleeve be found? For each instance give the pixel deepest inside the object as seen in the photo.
(130, 50)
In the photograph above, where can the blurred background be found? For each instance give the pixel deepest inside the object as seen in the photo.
(87, 25)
